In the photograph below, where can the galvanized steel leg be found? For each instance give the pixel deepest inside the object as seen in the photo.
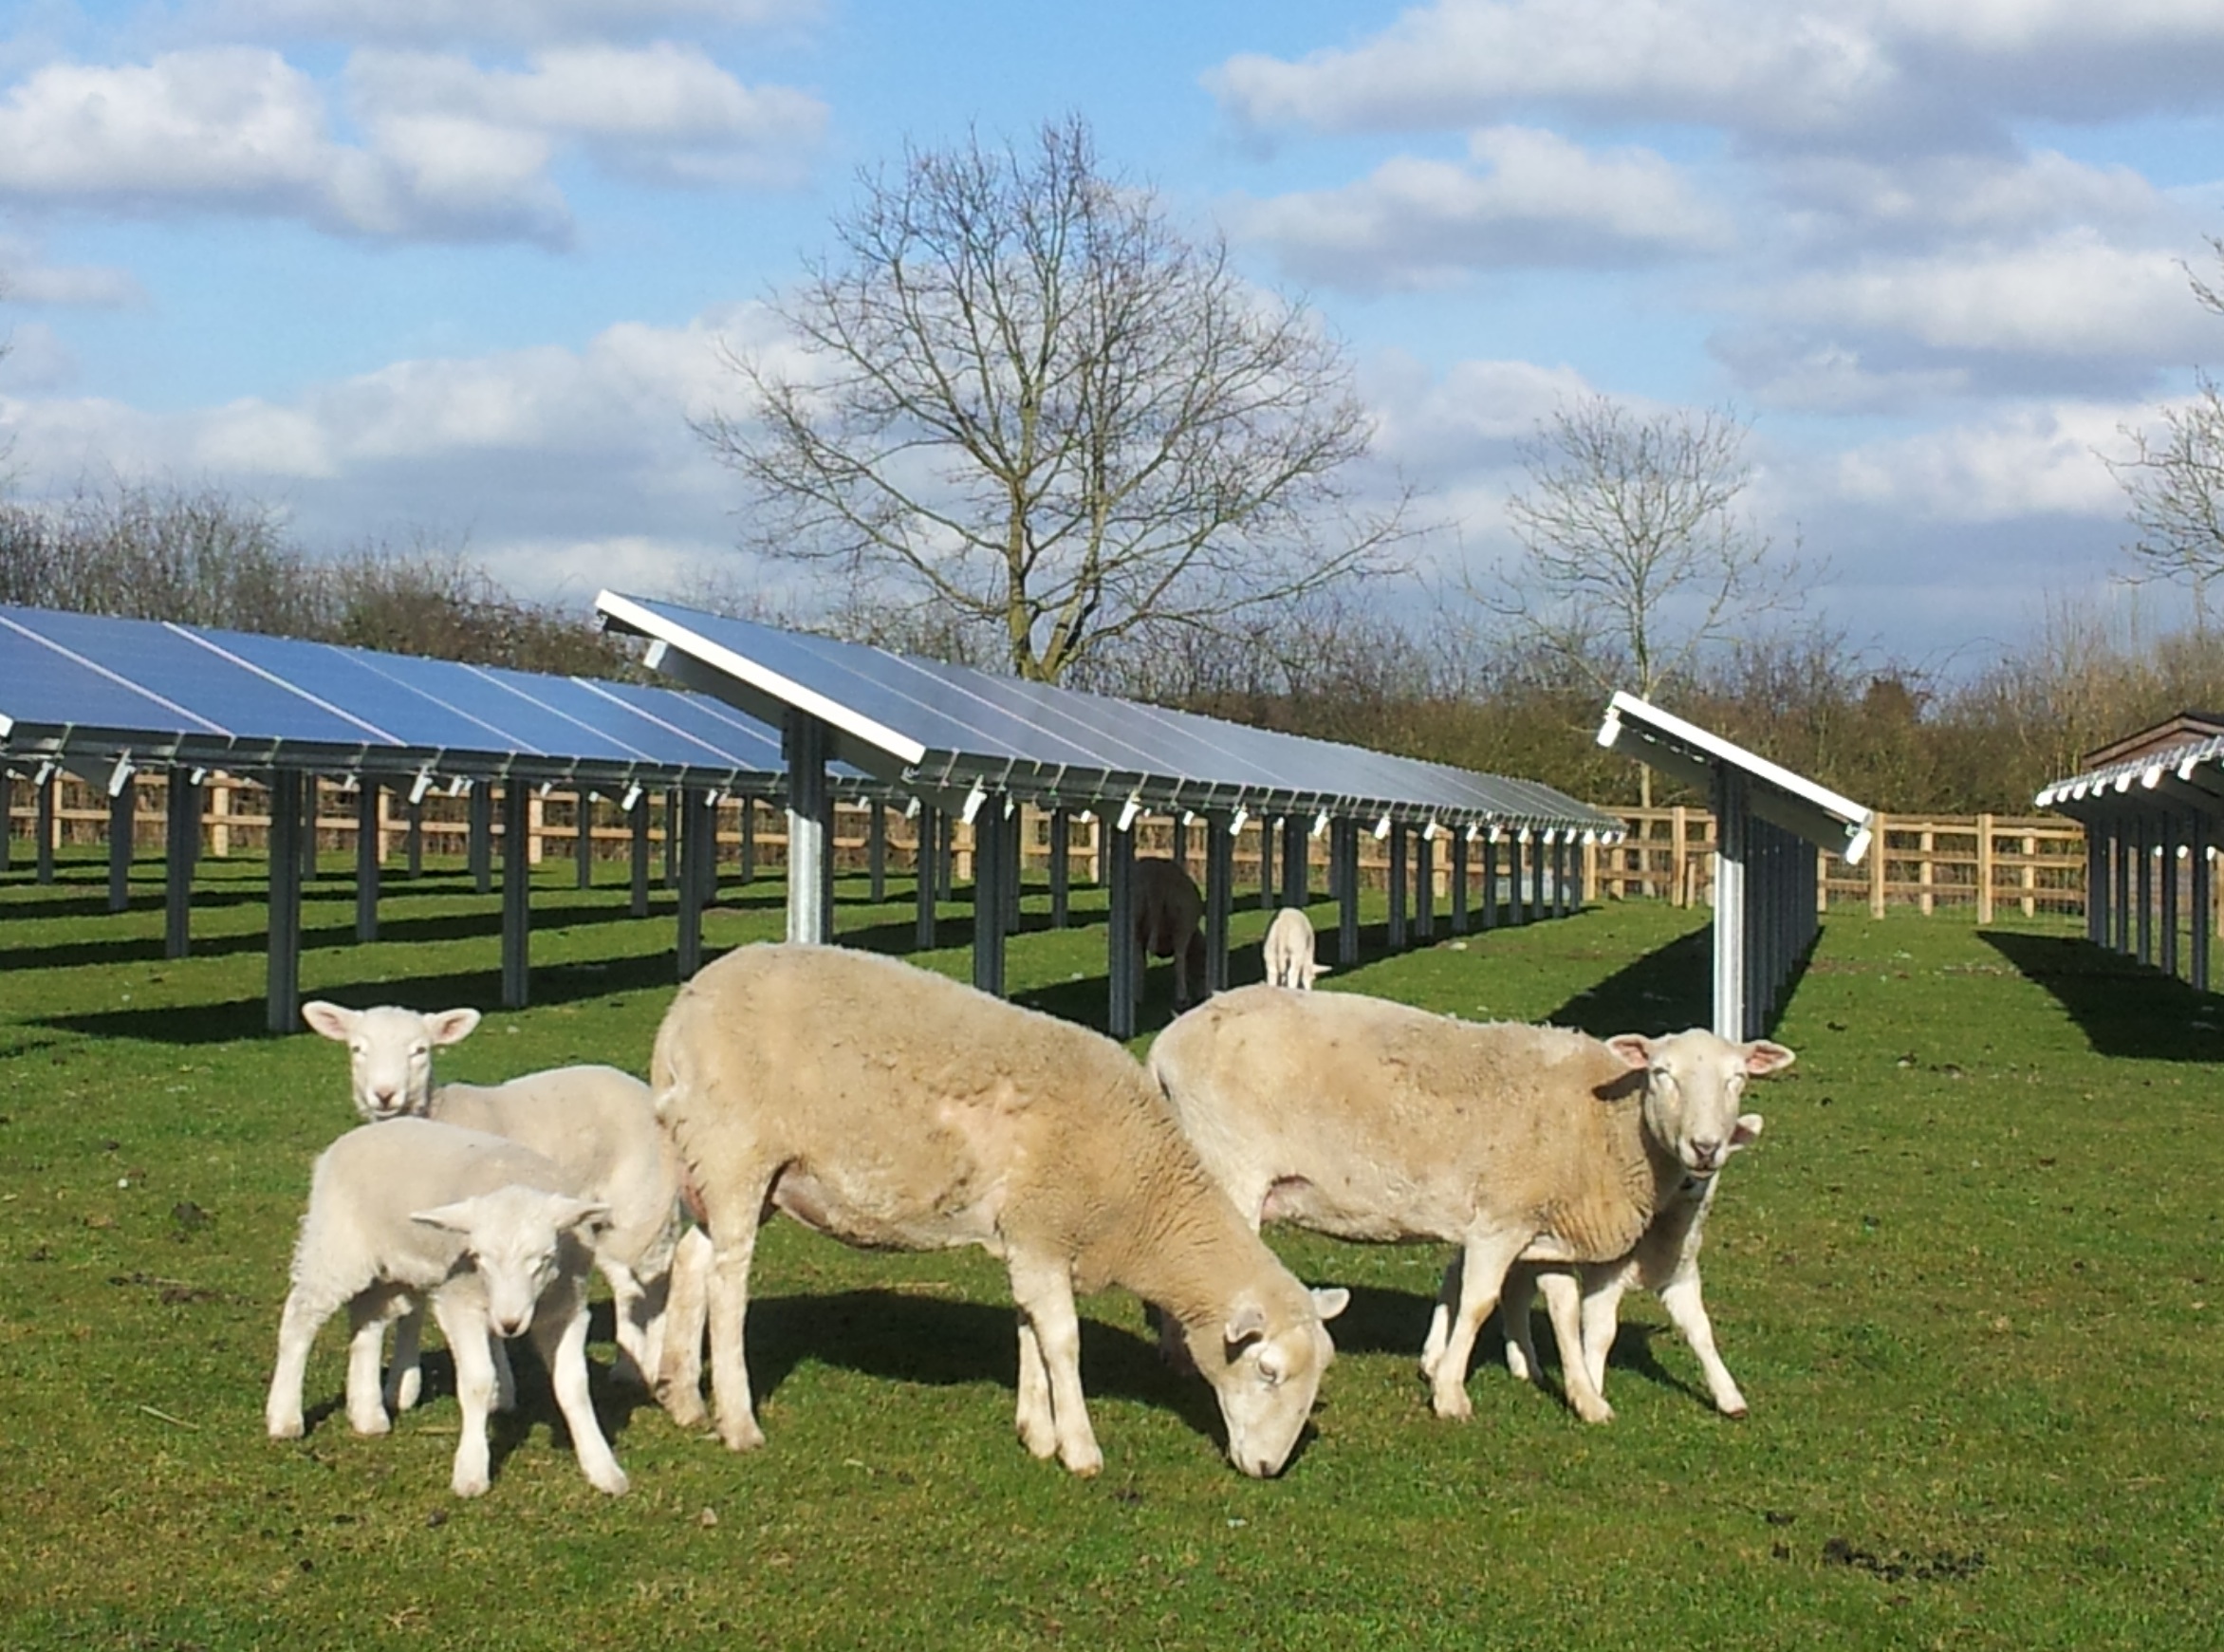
(1731, 820)
(686, 827)
(877, 849)
(1424, 887)
(1295, 872)
(367, 860)
(1400, 886)
(43, 822)
(184, 839)
(1061, 866)
(805, 746)
(2168, 869)
(637, 818)
(1345, 838)
(584, 845)
(1122, 962)
(282, 995)
(2202, 899)
(480, 845)
(1219, 898)
(1266, 864)
(517, 870)
(1460, 882)
(990, 868)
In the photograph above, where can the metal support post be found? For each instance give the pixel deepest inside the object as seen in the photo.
(1731, 822)
(1401, 885)
(479, 843)
(687, 827)
(1266, 864)
(1219, 898)
(182, 851)
(1122, 963)
(584, 841)
(1295, 872)
(2144, 845)
(122, 827)
(415, 838)
(804, 745)
(43, 822)
(282, 998)
(517, 870)
(2202, 899)
(1460, 882)
(925, 860)
(748, 839)
(1424, 886)
(1061, 868)
(991, 868)
(367, 860)
(877, 849)
(637, 818)
(1343, 838)
(2167, 954)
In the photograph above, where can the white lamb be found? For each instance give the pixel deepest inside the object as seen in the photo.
(895, 1109)
(1665, 1262)
(493, 1235)
(597, 1122)
(1379, 1123)
(1289, 949)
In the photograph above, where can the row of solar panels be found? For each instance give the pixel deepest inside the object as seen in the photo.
(935, 727)
(86, 687)
(81, 687)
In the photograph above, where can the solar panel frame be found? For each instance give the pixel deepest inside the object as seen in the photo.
(935, 726)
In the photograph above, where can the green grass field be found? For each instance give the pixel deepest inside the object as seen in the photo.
(1969, 1280)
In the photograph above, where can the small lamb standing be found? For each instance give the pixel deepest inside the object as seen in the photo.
(596, 1123)
(1378, 1123)
(493, 1233)
(1167, 911)
(1289, 950)
(1666, 1262)
(895, 1109)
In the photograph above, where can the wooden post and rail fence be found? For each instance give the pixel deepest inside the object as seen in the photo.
(1991, 863)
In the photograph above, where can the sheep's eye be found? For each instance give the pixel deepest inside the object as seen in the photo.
(1271, 1375)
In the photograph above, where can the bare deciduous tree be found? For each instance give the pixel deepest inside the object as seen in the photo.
(1636, 555)
(2175, 480)
(1021, 402)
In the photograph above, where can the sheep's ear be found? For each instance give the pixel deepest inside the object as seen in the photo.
(1635, 1048)
(1762, 1058)
(1244, 1326)
(335, 1021)
(1330, 1300)
(454, 1218)
(1747, 1133)
(451, 1026)
(587, 1218)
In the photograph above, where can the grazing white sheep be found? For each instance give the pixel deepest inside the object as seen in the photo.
(1289, 950)
(494, 1235)
(895, 1109)
(1167, 911)
(1666, 1262)
(597, 1122)
(1376, 1121)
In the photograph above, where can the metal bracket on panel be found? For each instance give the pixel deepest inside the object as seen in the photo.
(973, 800)
(633, 795)
(1321, 825)
(1236, 821)
(1128, 810)
(1382, 829)
(120, 776)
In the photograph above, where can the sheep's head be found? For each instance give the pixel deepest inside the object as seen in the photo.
(1265, 1369)
(518, 1240)
(1694, 1082)
(389, 1052)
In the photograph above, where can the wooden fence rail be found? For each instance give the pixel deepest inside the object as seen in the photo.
(2030, 864)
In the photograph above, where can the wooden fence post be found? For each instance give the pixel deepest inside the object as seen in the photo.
(1984, 868)
(1877, 866)
(1678, 869)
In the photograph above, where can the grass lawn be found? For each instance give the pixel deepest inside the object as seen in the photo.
(1969, 1279)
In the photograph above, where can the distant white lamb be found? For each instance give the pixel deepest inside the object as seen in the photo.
(1666, 1262)
(1289, 949)
(493, 1235)
(597, 1122)
(1379, 1123)
(896, 1109)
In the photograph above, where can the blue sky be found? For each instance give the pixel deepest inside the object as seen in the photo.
(431, 268)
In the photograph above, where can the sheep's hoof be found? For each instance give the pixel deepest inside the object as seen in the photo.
(685, 1407)
(371, 1422)
(1599, 1413)
(1735, 1414)
(1454, 1406)
(614, 1482)
(470, 1485)
(283, 1427)
(742, 1435)
(1087, 1464)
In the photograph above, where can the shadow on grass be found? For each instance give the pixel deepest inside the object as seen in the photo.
(2123, 1007)
(943, 1342)
(1666, 991)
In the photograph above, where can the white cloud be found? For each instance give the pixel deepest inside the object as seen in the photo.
(1530, 198)
(26, 278)
(522, 21)
(1987, 194)
(2021, 461)
(2072, 296)
(454, 153)
(1897, 72)
(660, 109)
(550, 459)
(1441, 428)
(33, 359)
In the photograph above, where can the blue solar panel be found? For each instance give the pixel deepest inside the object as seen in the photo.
(80, 682)
(967, 720)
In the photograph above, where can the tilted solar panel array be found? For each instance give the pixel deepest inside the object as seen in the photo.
(94, 688)
(934, 726)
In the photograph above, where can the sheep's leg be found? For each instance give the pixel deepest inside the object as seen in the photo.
(1441, 1316)
(679, 1364)
(1514, 1300)
(1564, 1304)
(735, 1244)
(1482, 1271)
(560, 1332)
(633, 1362)
(1038, 1431)
(1688, 1313)
(1045, 1295)
(370, 1313)
(1601, 1319)
(405, 1380)
(298, 1325)
(470, 1342)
